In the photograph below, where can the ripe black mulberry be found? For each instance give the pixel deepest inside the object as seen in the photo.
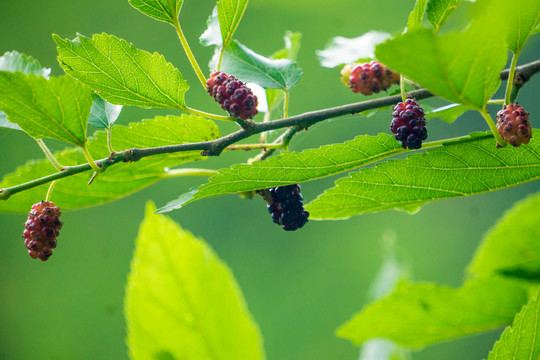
(41, 230)
(286, 207)
(408, 124)
(233, 95)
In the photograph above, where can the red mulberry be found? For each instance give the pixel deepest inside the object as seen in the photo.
(514, 125)
(369, 78)
(233, 95)
(41, 229)
(409, 124)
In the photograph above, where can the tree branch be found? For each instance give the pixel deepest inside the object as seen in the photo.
(249, 128)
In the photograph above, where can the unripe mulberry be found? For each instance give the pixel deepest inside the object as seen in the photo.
(233, 95)
(369, 78)
(285, 206)
(514, 125)
(41, 230)
(408, 124)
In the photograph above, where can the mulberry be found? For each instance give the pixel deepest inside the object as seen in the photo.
(285, 206)
(41, 230)
(514, 125)
(369, 78)
(408, 124)
(233, 95)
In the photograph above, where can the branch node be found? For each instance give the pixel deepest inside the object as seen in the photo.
(247, 125)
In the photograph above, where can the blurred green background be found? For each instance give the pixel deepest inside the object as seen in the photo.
(300, 286)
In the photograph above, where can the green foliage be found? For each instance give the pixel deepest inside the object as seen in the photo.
(212, 34)
(420, 314)
(182, 300)
(417, 15)
(230, 13)
(120, 180)
(520, 342)
(55, 108)
(438, 11)
(121, 73)
(102, 113)
(162, 10)
(14, 61)
(525, 19)
(449, 113)
(456, 169)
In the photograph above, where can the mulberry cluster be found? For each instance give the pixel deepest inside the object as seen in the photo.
(409, 124)
(286, 207)
(369, 78)
(514, 125)
(233, 95)
(41, 230)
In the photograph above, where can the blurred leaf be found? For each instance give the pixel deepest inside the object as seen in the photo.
(57, 108)
(181, 299)
(520, 342)
(122, 74)
(343, 50)
(4, 123)
(449, 113)
(461, 67)
(119, 180)
(512, 248)
(417, 15)
(292, 168)
(102, 113)
(420, 314)
(460, 168)
(162, 10)
(537, 30)
(212, 34)
(249, 66)
(14, 61)
(230, 13)
(382, 349)
(525, 19)
(438, 11)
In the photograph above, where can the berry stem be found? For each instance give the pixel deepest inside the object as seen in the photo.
(286, 104)
(510, 80)
(189, 172)
(496, 102)
(51, 188)
(220, 59)
(189, 53)
(402, 88)
(49, 155)
(208, 115)
(90, 160)
(493, 127)
(109, 139)
(267, 117)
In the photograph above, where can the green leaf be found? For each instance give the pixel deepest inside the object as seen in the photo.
(4, 123)
(461, 168)
(449, 113)
(420, 314)
(102, 113)
(120, 179)
(511, 248)
(417, 15)
(520, 342)
(182, 300)
(525, 19)
(14, 61)
(57, 108)
(212, 34)
(461, 67)
(162, 10)
(249, 66)
(438, 11)
(122, 74)
(343, 50)
(291, 168)
(230, 13)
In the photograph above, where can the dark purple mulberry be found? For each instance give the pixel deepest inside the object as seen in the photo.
(286, 208)
(514, 125)
(41, 230)
(369, 78)
(408, 124)
(233, 95)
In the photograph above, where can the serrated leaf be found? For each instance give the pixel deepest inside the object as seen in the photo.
(292, 168)
(420, 314)
(449, 113)
(343, 50)
(122, 74)
(511, 248)
(57, 108)
(14, 61)
(462, 168)
(461, 67)
(103, 114)
(438, 11)
(162, 10)
(120, 179)
(520, 342)
(525, 19)
(230, 13)
(181, 291)
(212, 34)
(417, 15)
(249, 66)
